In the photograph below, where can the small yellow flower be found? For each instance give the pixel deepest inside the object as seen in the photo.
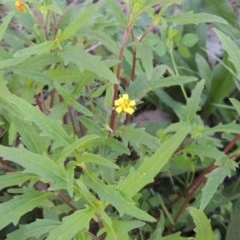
(19, 5)
(124, 104)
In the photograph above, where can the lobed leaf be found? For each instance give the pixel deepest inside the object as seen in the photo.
(203, 227)
(112, 196)
(15, 179)
(195, 18)
(72, 224)
(151, 166)
(20, 108)
(214, 179)
(86, 61)
(12, 210)
(35, 229)
(82, 20)
(4, 24)
(37, 164)
(231, 48)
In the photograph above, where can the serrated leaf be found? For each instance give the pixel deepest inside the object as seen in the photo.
(80, 144)
(37, 49)
(204, 150)
(34, 229)
(72, 224)
(86, 61)
(114, 197)
(233, 230)
(232, 127)
(70, 177)
(34, 163)
(204, 69)
(70, 100)
(22, 109)
(171, 81)
(231, 48)
(144, 53)
(175, 236)
(157, 233)
(137, 137)
(15, 179)
(203, 227)
(12, 210)
(195, 18)
(82, 20)
(121, 228)
(151, 166)
(117, 11)
(30, 137)
(193, 103)
(236, 105)
(4, 24)
(94, 158)
(214, 179)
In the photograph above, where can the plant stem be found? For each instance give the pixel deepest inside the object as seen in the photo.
(177, 73)
(118, 75)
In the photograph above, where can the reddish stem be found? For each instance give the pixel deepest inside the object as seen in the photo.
(192, 189)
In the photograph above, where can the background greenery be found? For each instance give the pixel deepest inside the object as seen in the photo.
(72, 168)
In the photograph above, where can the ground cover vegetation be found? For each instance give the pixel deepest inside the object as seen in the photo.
(119, 120)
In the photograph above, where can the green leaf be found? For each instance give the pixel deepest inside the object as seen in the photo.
(30, 137)
(189, 39)
(214, 179)
(157, 233)
(183, 51)
(193, 103)
(151, 166)
(231, 48)
(81, 144)
(171, 81)
(70, 177)
(175, 236)
(112, 196)
(72, 224)
(137, 137)
(121, 229)
(116, 11)
(22, 109)
(236, 105)
(35, 229)
(204, 70)
(86, 61)
(96, 159)
(204, 150)
(15, 178)
(83, 19)
(38, 49)
(144, 53)
(4, 24)
(225, 128)
(71, 101)
(34, 163)
(194, 18)
(233, 230)
(203, 227)
(12, 210)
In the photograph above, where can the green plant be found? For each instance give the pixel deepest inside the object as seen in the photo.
(74, 166)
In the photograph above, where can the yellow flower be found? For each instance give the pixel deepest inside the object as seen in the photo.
(124, 104)
(19, 5)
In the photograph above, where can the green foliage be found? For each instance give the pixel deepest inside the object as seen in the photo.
(72, 167)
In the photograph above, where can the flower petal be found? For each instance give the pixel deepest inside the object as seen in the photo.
(129, 110)
(119, 109)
